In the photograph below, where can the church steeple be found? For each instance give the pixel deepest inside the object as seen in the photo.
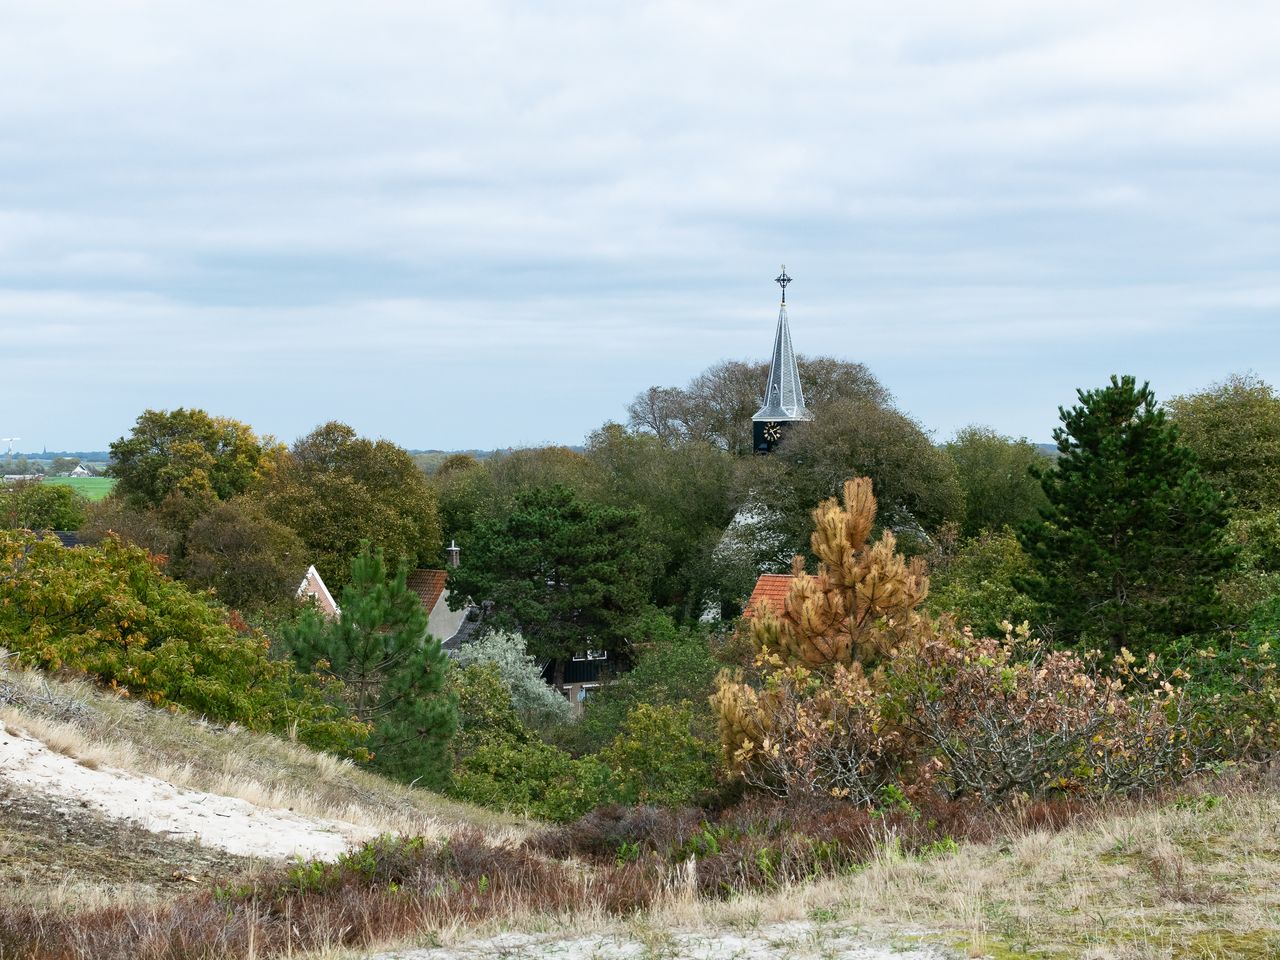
(783, 397)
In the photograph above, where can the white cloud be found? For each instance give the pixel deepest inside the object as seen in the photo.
(206, 194)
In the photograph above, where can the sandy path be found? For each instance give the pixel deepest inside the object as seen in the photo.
(228, 823)
(782, 941)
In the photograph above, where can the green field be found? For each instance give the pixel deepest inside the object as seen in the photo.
(95, 488)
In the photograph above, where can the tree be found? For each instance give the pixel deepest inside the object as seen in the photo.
(814, 724)
(465, 495)
(975, 580)
(685, 494)
(1130, 548)
(534, 702)
(995, 474)
(337, 490)
(393, 672)
(917, 484)
(41, 506)
(244, 555)
(61, 466)
(561, 570)
(1233, 427)
(717, 405)
(187, 452)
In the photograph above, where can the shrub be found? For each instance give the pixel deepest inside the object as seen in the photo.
(673, 666)
(486, 716)
(974, 582)
(658, 758)
(533, 778)
(999, 718)
(109, 612)
(812, 724)
(1235, 687)
(41, 506)
(534, 701)
(860, 694)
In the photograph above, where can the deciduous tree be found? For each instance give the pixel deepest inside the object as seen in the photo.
(995, 474)
(1234, 429)
(41, 506)
(337, 490)
(187, 452)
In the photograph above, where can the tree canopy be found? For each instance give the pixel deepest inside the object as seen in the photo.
(337, 490)
(717, 405)
(41, 506)
(995, 474)
(1234, 429)
(561, 570)
(187, 452)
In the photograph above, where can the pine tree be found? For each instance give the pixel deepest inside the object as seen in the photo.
(392, 669)
(1130, 548)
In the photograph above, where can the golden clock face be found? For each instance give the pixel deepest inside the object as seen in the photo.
(772, 432)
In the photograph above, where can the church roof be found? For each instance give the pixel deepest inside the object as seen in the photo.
(783, 397)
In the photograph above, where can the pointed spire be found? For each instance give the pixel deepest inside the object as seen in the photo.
(784, 397)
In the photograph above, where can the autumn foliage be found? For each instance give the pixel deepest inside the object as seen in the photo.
(111, 613)
(857, 694)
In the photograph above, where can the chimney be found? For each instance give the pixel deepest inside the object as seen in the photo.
(454, 552)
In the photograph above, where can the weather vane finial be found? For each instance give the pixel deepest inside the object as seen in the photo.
(782, 280)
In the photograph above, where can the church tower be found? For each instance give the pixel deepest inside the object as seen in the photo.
(783, 396)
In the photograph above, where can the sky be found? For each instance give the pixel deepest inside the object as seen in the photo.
(491, 224)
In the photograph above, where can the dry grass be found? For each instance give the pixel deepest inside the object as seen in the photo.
(1196, 878)
(99, 729)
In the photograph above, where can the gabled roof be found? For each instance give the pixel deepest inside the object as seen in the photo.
(783, 396)
(313, 586)
(428, 585)
(773, 587)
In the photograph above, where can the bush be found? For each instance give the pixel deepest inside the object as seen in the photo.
(673, 667)
(533, 778)
(858, 693)
(534, 701)
(1235, 687)
(41, 506)
(974, 582)
(1000, 718)
(486, 716)
(658, 758)
(109, 612)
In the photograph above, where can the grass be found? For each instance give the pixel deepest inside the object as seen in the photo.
(92, 488)
(1191, 876)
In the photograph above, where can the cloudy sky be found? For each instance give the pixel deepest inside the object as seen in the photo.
(485, 224)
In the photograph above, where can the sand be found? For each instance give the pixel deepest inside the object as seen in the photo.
(227, 823)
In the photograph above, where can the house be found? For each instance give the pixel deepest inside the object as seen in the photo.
(432, 588)
(773, 587)
(79, 471)
(313, 588)
(584, 673)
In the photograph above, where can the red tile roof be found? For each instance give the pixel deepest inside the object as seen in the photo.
(427, 584)
(771, 586)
